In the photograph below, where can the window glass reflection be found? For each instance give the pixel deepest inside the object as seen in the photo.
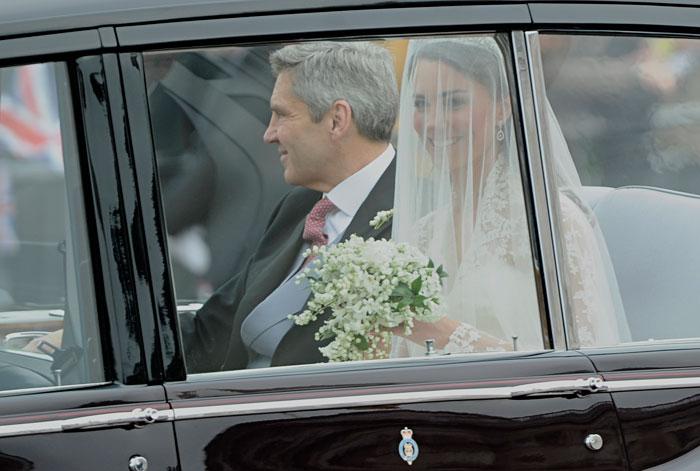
(47, 315)
(320, 140)
(628, 112)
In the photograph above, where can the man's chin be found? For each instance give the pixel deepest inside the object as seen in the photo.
(290, 178)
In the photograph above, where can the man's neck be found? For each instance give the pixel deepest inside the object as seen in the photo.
(352, 159)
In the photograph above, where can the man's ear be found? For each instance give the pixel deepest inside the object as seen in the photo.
(340, 115)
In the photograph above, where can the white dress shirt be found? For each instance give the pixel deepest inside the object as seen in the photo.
(348, 196)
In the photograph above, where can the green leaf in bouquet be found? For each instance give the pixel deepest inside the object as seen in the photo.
(416, 285)
(361, 343)
(431, 264)
(406, 301)
(329, 334)
(419, 301)
(401, 290)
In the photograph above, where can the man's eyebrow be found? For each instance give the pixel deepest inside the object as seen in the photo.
(276, 109)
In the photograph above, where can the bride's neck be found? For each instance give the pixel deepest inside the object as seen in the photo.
(462, 179)
(459, 181)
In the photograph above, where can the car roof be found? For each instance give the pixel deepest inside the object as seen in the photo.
(34, 16)
(25, 17)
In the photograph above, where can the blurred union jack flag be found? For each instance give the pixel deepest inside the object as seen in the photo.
(9, 242)
(29, 131)
(29, 119)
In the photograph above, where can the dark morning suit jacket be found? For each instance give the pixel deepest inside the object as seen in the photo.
(216, 343)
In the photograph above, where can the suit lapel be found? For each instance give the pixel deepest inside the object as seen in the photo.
(274, 268)
(379, 199)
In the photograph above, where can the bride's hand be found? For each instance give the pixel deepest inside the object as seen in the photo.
(439, 331)
(468, 338)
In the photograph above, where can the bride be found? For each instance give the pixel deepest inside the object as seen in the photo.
(459, 198)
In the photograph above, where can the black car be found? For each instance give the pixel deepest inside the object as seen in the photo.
(134, 182)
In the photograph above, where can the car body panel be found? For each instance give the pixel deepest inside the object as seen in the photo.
(658, 424)
(25, 418)
(489, 434)
(351, 419)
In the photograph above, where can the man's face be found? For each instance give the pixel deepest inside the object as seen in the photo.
(303, 144)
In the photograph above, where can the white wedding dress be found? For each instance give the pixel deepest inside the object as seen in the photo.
(459, 199)
(492, 288)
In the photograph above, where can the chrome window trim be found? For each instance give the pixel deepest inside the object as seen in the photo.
(624, 385)
(250, 407)
(133, 417)
(48, 389)
(565, 316)
(502, 392)
(528, 96)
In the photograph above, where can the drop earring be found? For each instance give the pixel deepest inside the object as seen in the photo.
(500, 135)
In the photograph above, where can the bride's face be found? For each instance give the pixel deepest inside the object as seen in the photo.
(453, 115)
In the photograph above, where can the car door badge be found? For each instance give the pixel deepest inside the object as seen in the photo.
(408, 448)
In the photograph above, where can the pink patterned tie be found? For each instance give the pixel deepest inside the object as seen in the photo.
(313, 228)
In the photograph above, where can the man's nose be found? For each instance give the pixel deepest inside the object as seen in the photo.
(270, 135)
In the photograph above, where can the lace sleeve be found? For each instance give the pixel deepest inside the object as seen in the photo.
(589, 289)
(466, 339)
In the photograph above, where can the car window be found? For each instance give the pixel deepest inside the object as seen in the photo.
(48, 327)
(235, 208)
(624, 110)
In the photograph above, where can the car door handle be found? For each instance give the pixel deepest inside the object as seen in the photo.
(565, 387)
(137, 417)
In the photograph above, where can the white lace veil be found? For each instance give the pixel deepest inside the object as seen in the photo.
(590, 285)
(459, 194)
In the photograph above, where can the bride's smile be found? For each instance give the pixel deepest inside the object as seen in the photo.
(444, 143)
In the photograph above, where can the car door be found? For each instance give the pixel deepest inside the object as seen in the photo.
(77, 372)
(635, 148)
(206, 83)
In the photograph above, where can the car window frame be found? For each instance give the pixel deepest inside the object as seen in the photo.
(94, 88)
(662, 345)
(172, 36)
(259, 29)
(59, 50)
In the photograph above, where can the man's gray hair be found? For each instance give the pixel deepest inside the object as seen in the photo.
(360, 73)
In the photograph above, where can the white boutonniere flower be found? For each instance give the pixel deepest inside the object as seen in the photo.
(381, 218)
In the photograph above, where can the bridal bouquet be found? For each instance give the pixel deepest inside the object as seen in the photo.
(370, 286)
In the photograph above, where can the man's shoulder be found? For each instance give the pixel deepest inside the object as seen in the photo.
(299, 197)
(293, 205)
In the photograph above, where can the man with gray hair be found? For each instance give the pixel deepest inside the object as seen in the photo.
(334, 106)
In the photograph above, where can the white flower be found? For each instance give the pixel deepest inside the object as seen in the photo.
(381, 218)
(370, 286)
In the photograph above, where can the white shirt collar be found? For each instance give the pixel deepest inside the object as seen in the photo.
(349, 194)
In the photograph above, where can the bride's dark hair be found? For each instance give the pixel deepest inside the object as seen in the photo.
(478, 59)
